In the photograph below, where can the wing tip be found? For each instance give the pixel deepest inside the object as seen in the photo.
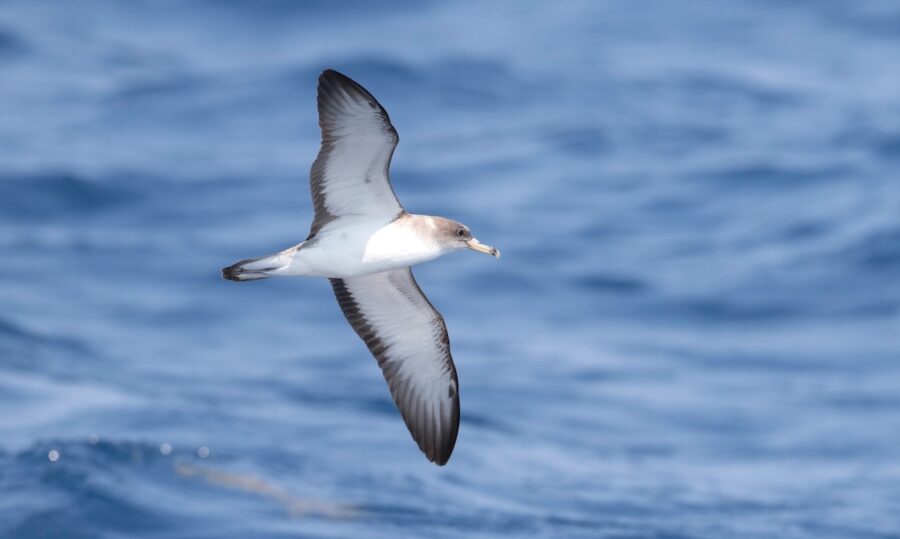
(441, 458)
(333, 83)
(436, 435)
(331, 74)
(331, 79)
(440, 454)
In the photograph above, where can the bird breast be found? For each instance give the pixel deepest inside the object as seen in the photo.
(363, 248)
(399, 245)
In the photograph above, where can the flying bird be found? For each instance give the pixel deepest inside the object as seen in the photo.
(364, 242)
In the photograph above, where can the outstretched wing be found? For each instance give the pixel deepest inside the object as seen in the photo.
(350, 174)
(409, 339)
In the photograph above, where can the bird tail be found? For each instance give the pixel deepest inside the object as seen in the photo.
(253, 269)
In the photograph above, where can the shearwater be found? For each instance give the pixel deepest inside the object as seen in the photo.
(364, 242)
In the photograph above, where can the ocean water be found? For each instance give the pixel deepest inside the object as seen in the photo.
(694, 331)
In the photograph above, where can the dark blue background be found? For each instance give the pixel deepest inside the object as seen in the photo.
(693, 332)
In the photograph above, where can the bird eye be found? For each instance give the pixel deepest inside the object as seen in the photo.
(462, 232)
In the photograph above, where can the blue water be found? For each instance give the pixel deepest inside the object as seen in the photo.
(694, 331)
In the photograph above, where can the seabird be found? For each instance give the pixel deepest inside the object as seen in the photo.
(364, 242)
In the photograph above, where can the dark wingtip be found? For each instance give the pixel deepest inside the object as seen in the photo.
(440, 454)
(329, 72)
(334, 75)
(331, 78)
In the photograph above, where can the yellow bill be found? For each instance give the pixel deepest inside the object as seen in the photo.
(476, 245)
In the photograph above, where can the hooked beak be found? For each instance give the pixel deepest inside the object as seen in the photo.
(476, 245)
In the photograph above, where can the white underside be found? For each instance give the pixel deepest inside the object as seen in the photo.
(352, 247)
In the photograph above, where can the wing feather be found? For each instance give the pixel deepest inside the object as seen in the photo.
(350, 176)
(409, 339)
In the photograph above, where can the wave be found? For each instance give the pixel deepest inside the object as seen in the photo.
(51, 195)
